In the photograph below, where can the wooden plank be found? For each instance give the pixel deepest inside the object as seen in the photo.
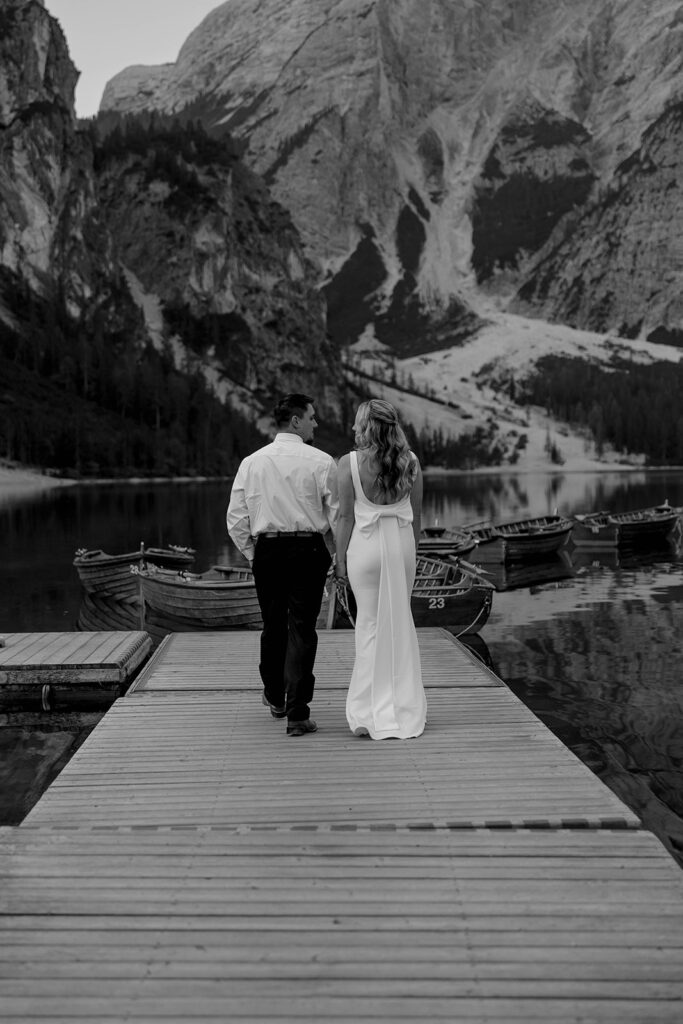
(85, 868)
(653, 974)
(229, 950)
(359, 1010)
(179, 992)
(475, 844)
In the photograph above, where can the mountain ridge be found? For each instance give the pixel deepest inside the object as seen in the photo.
(378, 124)
(450, 197)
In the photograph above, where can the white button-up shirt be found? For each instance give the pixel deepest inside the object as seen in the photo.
(288, 485)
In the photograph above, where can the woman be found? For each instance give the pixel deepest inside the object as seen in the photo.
(380, 496)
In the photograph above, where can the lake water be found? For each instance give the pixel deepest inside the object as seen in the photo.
(592, 644)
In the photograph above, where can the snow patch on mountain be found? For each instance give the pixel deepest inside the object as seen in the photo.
(471, 385)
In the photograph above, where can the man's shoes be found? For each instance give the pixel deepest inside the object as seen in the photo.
(301, 728)
(275, 711)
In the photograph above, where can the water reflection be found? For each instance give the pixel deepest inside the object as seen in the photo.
(599, 660)
(38, 539)
(534, 573)
(661, 552)
(34, 747)
(455, 500)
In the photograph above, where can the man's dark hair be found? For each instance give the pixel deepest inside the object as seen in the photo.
(291, 405)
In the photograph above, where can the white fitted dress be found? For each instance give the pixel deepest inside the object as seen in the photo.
(386, 697)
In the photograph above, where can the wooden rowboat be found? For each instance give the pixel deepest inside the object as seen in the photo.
(452, 594)
(490, 548)
(621, 529)
(520, 539)
(110, 575)
(441, 542)
(222, 598)
(99, 614)
(536, 537)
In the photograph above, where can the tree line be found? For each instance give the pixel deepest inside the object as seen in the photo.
(630, 408)
(432, 444)
(86, 399)
(169, 140)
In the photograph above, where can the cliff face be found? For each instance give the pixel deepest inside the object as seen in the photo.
(617, 262)
(214, 262)
(47, 190)
(153, 234)
(432, 150)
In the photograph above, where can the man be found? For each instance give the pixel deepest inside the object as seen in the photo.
(282, 511)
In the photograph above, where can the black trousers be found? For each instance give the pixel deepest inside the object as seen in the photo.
(289, 573)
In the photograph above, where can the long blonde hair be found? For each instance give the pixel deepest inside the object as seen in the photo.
(380, 432)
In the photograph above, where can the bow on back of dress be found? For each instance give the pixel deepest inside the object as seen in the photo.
(371, 515)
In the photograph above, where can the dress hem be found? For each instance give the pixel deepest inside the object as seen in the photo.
(380, 734)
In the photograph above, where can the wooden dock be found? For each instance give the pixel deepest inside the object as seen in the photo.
(68, 667)
(192, 863)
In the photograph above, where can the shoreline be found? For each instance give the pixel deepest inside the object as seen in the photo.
(16, 478)
(550, 470)
(23, 479)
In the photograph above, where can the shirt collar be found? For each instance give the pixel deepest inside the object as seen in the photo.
(289, 438)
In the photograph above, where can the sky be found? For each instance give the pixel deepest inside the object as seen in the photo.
(105, 36)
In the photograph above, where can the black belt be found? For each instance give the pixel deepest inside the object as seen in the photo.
(289, 533)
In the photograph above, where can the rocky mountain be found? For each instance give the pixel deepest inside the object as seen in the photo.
(150, 287)
(214, 263)
(471, 203)
(47, 189)
(437, 153)
(616, 263)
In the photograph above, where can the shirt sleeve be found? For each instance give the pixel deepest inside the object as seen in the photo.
(331, 496)
(237, 517)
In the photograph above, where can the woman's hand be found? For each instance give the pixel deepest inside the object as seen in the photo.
(340, 570)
